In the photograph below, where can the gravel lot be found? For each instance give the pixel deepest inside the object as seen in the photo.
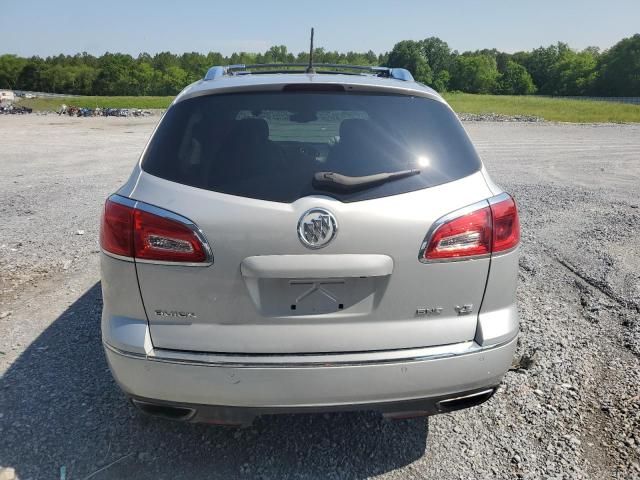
(569, 409)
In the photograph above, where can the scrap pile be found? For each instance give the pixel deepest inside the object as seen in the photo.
(10, 109)
(73, 111)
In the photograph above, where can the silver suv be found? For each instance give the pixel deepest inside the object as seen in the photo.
(295, 241)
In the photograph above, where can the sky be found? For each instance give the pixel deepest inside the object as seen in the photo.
(50, 27)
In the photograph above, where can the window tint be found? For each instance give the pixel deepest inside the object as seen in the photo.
(270, 145)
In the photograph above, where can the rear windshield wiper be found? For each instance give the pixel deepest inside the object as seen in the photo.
(337, 181)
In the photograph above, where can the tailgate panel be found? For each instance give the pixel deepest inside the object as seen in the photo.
(240, 306)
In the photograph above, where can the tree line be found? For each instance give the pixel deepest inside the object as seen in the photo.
(553, 70)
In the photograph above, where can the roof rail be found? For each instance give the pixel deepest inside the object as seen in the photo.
(322, 68)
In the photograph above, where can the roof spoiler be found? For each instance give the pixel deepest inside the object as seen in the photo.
(320, 68)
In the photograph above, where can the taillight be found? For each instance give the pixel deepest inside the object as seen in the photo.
(147, 233)
(464, 236)
(506, 224)
(163, 239)
(116, 230)
(474, 232)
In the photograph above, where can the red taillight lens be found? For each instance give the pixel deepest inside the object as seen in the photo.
(116, 230)
(158, 238)
(464, 236)
(506, 225)
(490, 229)
(137, 233)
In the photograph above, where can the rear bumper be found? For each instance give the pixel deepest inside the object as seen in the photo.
(226, 415)
(224, 386)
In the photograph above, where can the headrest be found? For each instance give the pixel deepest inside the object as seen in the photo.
(354, 128)
(252, 129)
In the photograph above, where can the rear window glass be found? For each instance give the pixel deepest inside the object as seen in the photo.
(270, 145)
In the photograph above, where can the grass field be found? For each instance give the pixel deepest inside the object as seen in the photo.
(53, 104)
(552, 109)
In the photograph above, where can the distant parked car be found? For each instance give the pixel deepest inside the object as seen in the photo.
(308, 241)
(7, 96)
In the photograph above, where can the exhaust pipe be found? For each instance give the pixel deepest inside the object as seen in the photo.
(168, 412)
(466, 401)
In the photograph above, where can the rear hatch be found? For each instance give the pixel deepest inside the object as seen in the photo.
(302, 264)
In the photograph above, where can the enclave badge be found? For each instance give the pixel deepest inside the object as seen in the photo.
(175, 314)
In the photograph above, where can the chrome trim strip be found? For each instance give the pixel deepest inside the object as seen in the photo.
(127, 202)
(504, 252)
(499, 198)
(117, 257)
(447, 401)
(161, 212)
(310, 360)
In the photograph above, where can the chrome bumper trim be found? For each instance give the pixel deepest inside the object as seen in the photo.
(310, 360)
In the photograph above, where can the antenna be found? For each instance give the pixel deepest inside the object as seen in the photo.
(310, 68)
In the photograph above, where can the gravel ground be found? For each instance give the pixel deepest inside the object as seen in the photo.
(570, 408)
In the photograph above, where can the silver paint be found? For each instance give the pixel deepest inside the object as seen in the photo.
(381, 348)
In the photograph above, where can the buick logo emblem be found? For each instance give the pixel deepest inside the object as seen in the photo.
(317, 227)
